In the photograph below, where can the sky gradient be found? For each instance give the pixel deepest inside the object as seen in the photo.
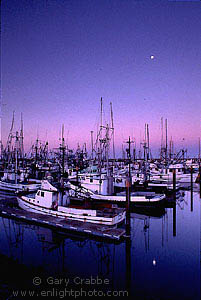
(59, 57)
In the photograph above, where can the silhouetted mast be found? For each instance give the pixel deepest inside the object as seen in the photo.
(147, 142)
(101, 128)
(63, 149)
(92, 145)
(112, 123)
(161, 137)
(21, 139)
(166, 141)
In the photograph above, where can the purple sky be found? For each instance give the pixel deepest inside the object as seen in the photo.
(59, 57)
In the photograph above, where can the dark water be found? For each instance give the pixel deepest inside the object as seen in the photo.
(162, 261)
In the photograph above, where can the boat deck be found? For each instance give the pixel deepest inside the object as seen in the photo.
(89, 229)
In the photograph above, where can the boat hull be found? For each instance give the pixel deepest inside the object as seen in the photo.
(134, 200)
(23, 203)
(14, 187)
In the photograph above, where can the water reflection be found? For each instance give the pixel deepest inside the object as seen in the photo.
(160, 261)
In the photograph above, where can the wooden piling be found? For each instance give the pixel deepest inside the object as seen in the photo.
(191, 178)
(128, 187)
(174, 180)
(174, 207)
(128, 190)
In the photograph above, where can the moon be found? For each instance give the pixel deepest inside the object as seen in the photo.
(152, 57)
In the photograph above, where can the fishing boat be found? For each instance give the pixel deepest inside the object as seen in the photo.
(137, 198)
(11, 182)
(166, 174)
(50, 201)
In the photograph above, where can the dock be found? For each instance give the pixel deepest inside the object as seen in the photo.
(65, 225)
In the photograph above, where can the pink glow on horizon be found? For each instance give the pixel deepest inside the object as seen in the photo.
(93, 50)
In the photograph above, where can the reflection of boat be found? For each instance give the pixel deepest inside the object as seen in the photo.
(43, 253)
(155, 212)
(175, 198)
(46, 201)
(7, 197)
(158, 186)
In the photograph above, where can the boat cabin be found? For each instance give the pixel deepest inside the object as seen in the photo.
(47, 196)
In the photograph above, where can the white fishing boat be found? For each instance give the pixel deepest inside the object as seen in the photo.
(10, 183)
(163, 185)
(136, 198)
(47, 201)
(94, 182)
(166, 174)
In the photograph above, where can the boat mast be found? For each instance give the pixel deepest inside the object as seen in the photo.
(9, 140)
(140, 150)
(166, 142)
(161, 138)
(145, 139)
(112, 123)
(92, 145)
(107, 148)
(21, 139)
(63, 149)
(16, 155)
(101, 128)
(100, 144)
(147, 142)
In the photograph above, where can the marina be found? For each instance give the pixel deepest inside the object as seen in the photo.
(100, 149)
(159, 240)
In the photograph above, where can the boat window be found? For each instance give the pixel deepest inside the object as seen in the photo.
(171, 170)
(42, 194)
(100, 181)
(38, 193)
(91, 179)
